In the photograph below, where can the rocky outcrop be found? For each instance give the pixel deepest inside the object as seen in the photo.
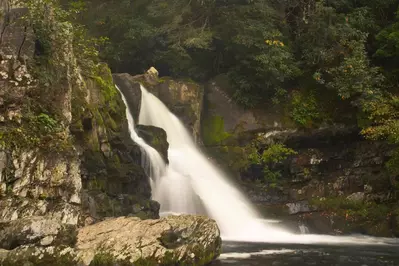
(173, 240)
(38, 185)
(182, 97)
(67, 160)
(227, 128)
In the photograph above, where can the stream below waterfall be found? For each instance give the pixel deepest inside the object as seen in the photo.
(255, 254)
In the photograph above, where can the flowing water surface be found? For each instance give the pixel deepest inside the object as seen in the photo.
(255, 254)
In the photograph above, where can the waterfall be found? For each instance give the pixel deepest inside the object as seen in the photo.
(151, 160)
(191, 184)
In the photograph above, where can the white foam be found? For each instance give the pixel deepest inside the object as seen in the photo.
(234, 255)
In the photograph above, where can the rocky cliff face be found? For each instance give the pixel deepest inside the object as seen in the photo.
(44, 163)
(34, 181)
(40, 162)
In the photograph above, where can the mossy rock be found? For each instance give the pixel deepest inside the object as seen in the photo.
(35, 256)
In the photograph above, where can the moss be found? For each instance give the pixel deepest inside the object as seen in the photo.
(96, 184)
(43, 196)
(213, 132)
(146, 262)
(110, 122)
(167, 260)
(205, 256)
(115, 163)
(34, 131)
(103, 259)
(30, 257)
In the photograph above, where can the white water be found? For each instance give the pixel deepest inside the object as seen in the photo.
(246, 255)
(192, 180)
(190, 184)
(151, 160)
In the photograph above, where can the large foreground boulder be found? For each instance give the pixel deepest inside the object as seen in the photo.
(173, 240)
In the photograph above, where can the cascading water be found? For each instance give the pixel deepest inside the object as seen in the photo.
(151, 160)
(191, 184)
(191, 177)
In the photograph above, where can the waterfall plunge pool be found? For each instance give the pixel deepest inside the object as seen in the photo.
(258, 254)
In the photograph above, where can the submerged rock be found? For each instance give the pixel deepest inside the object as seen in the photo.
(173, 240)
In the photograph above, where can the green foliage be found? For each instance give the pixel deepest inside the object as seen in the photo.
(273, 155)
(383, 112)
(276, 153)
(269, 158)
(354, 76)
(37, 131)
(265, 47)
(304, 109)
(46, 123)
(103, 259)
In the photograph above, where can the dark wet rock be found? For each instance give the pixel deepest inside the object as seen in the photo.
(131, 89)
(156, 138)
